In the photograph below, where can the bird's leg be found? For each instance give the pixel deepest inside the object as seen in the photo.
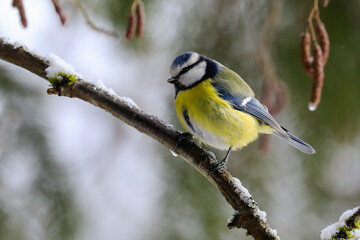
(223, 162)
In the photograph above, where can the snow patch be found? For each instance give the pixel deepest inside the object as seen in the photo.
(16, 43)
(101, 86)
(273, 232)
(129, 102)
(261, 214)
(332, 229)
(244, 192)
(58, 65)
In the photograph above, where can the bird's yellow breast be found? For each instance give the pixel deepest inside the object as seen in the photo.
(211, 119)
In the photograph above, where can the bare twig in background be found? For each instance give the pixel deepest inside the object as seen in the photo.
(90, 23)
(20, 6)
(136, 20)
(248, 214)
(274, 93)
(319, 37)
(59, 11)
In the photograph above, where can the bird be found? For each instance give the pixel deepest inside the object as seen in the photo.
(216, 106)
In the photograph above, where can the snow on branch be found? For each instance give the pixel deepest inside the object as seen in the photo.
(348, 227)
(65, 82)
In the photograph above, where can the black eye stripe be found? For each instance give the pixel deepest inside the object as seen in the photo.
(186, 69)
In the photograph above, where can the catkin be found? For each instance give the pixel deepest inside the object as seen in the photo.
(59, 11)
(306, 58)
(20, 6)
(130, 30)
(140, 15)
(323, 40)
(326, 3)
(318, 78)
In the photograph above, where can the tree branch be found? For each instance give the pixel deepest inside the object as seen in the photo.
(247, 215)
(351, 221)
(348, 226)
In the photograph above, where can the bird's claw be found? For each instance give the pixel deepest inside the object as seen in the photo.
(219, 165)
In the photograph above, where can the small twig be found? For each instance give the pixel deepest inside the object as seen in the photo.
(59, 11)
(314, 11)
(90, 23)
(20, 6)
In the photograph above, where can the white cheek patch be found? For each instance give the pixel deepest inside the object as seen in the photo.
(193, 75)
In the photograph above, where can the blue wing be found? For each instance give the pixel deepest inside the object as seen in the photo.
(252, 106)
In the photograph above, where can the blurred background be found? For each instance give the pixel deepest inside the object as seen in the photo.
(69, 170)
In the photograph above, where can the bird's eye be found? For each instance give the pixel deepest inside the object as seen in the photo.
(186, 69)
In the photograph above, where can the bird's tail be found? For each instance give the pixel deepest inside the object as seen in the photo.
(296, 142)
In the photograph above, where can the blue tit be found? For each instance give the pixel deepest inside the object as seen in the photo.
(219, 108)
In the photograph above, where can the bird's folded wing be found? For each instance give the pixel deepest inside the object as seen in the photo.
(252, 106)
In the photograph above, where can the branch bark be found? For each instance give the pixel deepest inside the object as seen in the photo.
(247, 215)
(351, 221)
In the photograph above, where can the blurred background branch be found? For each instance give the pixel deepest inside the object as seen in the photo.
(90, 22)
(274, 94)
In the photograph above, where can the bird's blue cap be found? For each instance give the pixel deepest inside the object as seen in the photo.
(181, 59)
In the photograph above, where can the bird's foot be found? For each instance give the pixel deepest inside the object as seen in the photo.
(219, 165)
(222, 163)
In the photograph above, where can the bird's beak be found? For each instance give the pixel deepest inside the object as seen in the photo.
(171, 80)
